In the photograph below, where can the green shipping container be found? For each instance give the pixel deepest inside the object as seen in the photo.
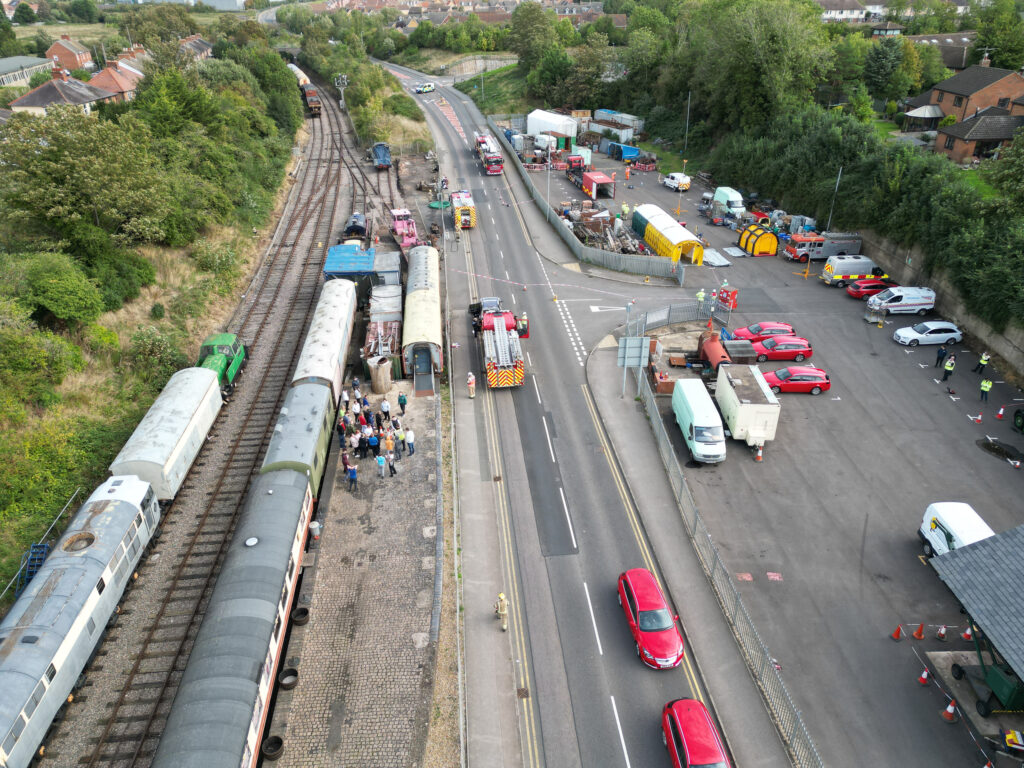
(639, 224)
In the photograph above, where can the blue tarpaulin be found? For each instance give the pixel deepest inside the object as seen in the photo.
(618, 151)
(348, 261)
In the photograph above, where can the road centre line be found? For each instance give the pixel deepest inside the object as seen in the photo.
(592, 619)
(622, 739)
(547, 434)
(535, 387)
(572, 533)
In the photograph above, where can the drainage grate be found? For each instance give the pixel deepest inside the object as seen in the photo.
(523, 693)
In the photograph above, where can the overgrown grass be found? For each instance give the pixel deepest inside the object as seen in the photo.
(977, 181)
(884, 128)
(670, 158)
(499, 91)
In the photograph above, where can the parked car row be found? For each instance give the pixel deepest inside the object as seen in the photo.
(777, 341)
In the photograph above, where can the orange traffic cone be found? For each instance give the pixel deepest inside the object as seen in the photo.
(1000, 414)
(923, 679)
(758, 456)
(919, 632)
(969, 634)
(898, 634)
(949, 713)
(941, 634)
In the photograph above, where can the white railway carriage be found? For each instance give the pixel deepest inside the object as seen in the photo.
(51, 631)
(299, 75)
(168, 439)
(220, 709)
(322, 360)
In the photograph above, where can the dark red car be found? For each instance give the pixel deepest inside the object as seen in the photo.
(783, 348)
(659, 643)
(761, 331)
(798, 378)
(865, 289)
(690, 736)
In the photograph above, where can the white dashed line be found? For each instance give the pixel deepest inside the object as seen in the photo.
(622, 739)
(551, 448)
(591, 607)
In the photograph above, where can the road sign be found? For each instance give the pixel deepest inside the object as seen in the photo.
(633, 351)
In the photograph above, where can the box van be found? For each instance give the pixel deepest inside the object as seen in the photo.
(900, 300)
(699, 420)
(949, 525)
(840, 270)
(731, 200)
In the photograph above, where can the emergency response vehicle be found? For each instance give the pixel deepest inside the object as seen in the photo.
(499, 331)
(487, 151)
(463, 209)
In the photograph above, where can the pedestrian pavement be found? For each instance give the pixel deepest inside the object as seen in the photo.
(365, 662)
(735, 697)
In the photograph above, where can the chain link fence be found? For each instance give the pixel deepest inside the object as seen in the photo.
(759, 661)
(652, 266)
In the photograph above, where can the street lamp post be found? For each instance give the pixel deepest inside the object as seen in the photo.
(625, 351)
(547, 211)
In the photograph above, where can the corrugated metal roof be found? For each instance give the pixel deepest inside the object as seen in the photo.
(348, 260)
(387, 261)
(986, 578)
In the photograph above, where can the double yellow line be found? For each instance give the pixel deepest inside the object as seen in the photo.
(634, 523)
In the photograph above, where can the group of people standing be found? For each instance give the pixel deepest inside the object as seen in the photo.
(949, 365)
(365, 433)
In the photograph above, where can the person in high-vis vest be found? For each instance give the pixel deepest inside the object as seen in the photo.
(986, 385)
(501, 611)
(948, 367)
(982, 362)
(471, 384)
(701, 295)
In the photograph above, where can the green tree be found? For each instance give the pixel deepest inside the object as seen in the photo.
(1001, 29)
(568, 37)
(43, 11)
(55, 289)
(23, 14)
(532, 33)
(9, 45)
(750, 59)
(84, 11)
(881, 62)
(66, 166)
(933, 69)
(650, 19)
(642, 54)
(545, 80)
(860, 104)
(38, 78)
(81, 74)
(1007, 173)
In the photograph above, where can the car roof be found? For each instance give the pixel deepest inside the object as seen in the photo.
(771, 324)
(787, 337)
(645, 587)
(702, 743)
(802, 370)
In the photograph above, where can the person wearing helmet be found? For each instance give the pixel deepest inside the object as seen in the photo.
(501, 611)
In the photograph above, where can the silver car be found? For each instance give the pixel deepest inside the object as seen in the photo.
(932, 332)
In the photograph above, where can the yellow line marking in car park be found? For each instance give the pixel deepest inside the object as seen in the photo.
(522, 671)
(634, 521)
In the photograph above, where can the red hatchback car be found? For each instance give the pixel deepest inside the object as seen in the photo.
(864, 289)
(798, 378)
(761, 331)
(659, 643)
(783, 348)
(690, 736)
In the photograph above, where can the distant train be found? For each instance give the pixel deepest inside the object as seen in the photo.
(381, 155)
(356, 226)
(309, 91)
(299, 75)
(221, 706)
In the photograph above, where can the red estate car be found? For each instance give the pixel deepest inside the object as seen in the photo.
(761, 331)
(659, 643)
(783, 348)
(798, 378)
(690, 736)
(864, 289)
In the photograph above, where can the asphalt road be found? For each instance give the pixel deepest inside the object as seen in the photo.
(597, 704)
(826, 526)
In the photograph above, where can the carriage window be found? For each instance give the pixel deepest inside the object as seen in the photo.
(100, 586)
(33, 702)
(51, 672)
(277, 627)
(91, 626)
(9, 743)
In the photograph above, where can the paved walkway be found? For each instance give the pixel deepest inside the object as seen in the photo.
(365, 662)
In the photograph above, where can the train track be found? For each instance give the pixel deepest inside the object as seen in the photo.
(131, 684)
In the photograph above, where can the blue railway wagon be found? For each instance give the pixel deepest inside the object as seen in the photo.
(381, 155)
(49, 635)
(220, 709)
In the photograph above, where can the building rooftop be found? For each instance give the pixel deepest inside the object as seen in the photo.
(973, 79)
(993, 124)
(14, 63)
(62, 90)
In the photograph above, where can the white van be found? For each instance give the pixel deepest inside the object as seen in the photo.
(840, 270)
(677, 181)
(900, 300)
(699, 420)
(731, 200)
(949, 525)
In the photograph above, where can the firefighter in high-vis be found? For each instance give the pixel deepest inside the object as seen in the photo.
(501, 611)
(471, 384)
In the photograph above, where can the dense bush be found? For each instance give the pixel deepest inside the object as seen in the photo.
(406, 106)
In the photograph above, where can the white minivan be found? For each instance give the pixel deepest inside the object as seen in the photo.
(731, 200)
(949, 525)
(699, 421)
(677, 181)
(903, 300)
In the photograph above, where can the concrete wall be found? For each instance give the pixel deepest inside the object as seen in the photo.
(907, 266)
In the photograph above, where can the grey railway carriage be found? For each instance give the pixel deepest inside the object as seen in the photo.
(49, 635)
(168, 439)
(322, 359)
(302, 435)
(221, 705)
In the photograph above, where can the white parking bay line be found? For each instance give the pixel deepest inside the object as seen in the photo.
(622, 739)
(572, 533)
(592, 619)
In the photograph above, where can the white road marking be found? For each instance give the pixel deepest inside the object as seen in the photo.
(536, 389)
(501, 253)
(547, 434)
(605, 309)
(622, 739)
(529, 360)
(514, 299)
(506, 275)
(591, 607)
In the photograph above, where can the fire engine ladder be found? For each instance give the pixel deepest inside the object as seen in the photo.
(502, 349)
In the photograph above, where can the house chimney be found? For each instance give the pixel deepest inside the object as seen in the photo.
(59, 74)
(65, 37)
(985, 61)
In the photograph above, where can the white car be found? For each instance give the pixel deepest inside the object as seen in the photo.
(932, 332)
(677, 181)
(425, 88)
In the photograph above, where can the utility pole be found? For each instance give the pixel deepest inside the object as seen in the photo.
(686, 136)
(833, 207)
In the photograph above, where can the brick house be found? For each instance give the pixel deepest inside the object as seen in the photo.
(978, 136)
(842, 10)
(69, 54)
(61, 90)
(978, 87)
(195, 47)
(121, 82)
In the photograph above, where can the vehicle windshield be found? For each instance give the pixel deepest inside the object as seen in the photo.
(784, 374)
(708, 765)
(770, 343)
(708, 434)
(920, 328)
(655, 621)
(756, 328)
(884, 295)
